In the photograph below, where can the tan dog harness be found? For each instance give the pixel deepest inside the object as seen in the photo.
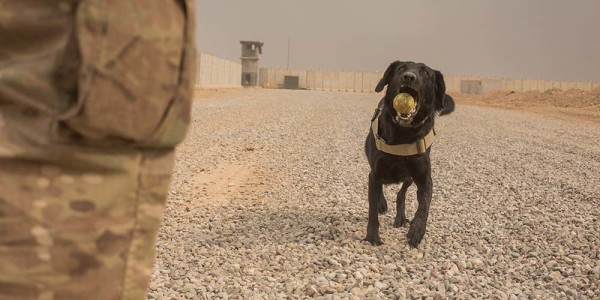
(418, 147)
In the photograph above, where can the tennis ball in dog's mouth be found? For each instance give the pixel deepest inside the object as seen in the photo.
(404, 103)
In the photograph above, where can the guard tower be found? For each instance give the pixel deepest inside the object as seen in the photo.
(250, 52)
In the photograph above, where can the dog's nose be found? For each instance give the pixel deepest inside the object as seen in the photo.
(409, 77)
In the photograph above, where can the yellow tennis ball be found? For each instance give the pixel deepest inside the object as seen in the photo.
(404, 103)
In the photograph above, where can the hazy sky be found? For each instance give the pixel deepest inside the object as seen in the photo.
(546, 39)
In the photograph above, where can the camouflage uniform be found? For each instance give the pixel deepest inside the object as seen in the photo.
(94, 96)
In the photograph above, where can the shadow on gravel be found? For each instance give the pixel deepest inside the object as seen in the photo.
(257, 225)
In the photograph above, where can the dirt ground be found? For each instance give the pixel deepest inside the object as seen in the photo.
(211, 93)
(268, 200)
(573, 104)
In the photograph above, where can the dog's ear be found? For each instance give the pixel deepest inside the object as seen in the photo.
(444, 104)
(387, 76)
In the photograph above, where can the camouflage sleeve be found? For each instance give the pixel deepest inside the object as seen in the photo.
(101, 73)
(94, 96)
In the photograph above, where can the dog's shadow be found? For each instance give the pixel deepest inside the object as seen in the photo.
(253, 224)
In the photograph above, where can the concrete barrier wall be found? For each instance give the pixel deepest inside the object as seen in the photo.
(322, 80)
(327, 80)
(216, 72)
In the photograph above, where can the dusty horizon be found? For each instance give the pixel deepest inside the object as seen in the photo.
(553, 40)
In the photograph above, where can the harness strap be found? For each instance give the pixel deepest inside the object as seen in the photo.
(418, 147)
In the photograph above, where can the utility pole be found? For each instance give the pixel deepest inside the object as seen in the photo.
(288, 58)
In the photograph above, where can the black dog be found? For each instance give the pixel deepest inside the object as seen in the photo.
(398, 145)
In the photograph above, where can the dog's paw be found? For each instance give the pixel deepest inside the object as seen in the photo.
(375, 241)
(383, 207)
(400, 222)
(415, 234)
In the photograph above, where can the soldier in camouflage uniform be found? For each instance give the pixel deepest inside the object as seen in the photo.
(94, 96)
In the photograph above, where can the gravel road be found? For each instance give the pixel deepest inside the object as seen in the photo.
(269, 201)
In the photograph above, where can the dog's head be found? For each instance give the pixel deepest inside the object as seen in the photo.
(424, 84)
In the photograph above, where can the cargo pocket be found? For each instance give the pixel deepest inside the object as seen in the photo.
(135, 78)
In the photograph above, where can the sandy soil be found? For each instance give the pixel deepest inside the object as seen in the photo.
(211, 93)
(268, 200)
(575, 105)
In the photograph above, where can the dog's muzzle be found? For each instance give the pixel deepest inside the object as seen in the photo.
(405, 118)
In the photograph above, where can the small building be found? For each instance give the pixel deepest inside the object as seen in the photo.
(250, 52)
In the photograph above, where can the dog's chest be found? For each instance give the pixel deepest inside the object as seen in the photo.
(392, 171)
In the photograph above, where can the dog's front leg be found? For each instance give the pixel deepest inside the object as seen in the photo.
(417, 226)
(375, 190)
(420, 169)
(401, 205)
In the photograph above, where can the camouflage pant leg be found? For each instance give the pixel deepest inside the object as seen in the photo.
(94, 96)
(83, 229)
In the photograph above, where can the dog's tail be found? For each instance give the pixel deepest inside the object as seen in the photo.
(448, 105)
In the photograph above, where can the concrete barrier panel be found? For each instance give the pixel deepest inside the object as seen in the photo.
(452, 83)
(357, 82)
(280, 76)
(489, 85)
(262, 76)
(327, 80)
(350, 82)
(366, 82)
(374, 78)
(568, 85)
(335, 81)
(537, 85)
(584, 86)
(542, 84)
(302, 77)
(232, 74)
(225, 73)
(512, 84)
(527, 85)
(201, 67)
(197, 76)
(319, 80)
(271, 76)
(206, 71)
(310, 79)
(222, 70)
(519, 85)
(214, 72)
(341, 81)
(217, 72)
(238, 73)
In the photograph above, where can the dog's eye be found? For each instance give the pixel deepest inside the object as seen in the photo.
(425, 73)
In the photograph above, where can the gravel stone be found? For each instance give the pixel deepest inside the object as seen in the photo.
(268, 200)
(381, 285)
(358, 275)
